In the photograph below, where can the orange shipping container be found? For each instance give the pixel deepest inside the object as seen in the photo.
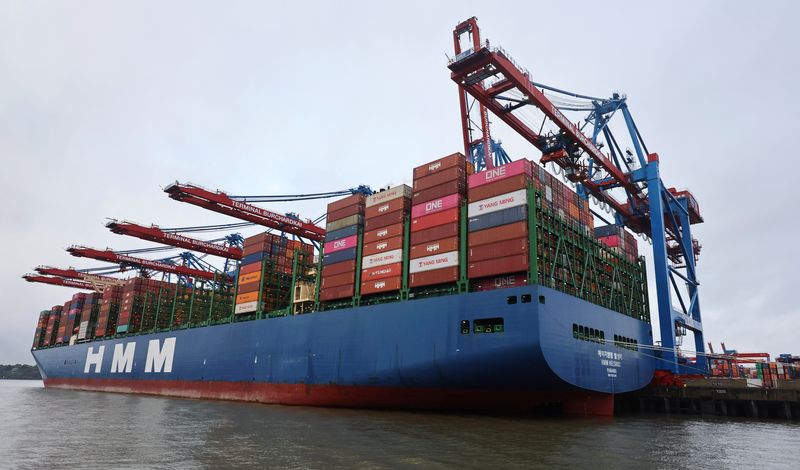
(249, 277)
(249, 297)
(250, 268)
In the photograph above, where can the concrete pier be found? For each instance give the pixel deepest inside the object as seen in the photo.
(715, 397)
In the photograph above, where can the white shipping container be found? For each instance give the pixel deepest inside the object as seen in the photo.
(497, 203)
(388, 195)
(389, 257)
(246, 307)
(428, 263)
(82, 331)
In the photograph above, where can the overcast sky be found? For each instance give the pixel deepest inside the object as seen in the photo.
(104, 103)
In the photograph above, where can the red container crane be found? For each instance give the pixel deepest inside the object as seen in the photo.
(117, 258)
(155, 234)
(100, 282)
(60, 281)
(220, 202)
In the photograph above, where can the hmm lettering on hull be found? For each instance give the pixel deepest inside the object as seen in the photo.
(159, 357)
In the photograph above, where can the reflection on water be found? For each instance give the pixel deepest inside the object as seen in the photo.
(69, 429)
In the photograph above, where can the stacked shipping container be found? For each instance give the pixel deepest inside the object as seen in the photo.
(89, 313)
(109, 311)
(41, 328)
(52, 325)
(619, 240)
(384, 240)
(498, 251)
(138, 306)
(265, 273)
(439, 188)
(73, 316)
(345, 222)
(560, 199)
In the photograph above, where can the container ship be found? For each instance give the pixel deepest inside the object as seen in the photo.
(484, 285)
(470, 290)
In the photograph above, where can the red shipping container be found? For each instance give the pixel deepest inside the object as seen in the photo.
(496, 234)
(441, 177)
(344, 213)
(453, 187)
(384, 220)
(436, 276)
(501, 172)
(354, 200)
(335, 293)
(518, 246)
(338, 280)
(504, 186)
(435, 233)
(338, 268)
(382, 245)
(259, 239)
(383, 233)
(493, 267)
(457, 159)
(388, 284)
(440, 218)
(388, 207)
(256, 248)
(612, 241)
(433, 247)
(382, 272)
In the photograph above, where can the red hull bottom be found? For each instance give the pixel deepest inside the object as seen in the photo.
(518, 401)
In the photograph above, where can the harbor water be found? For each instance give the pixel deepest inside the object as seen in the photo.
(44, 428)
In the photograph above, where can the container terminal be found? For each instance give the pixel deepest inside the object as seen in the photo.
(490, 283)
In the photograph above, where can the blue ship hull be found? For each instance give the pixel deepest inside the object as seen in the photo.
(410, 354)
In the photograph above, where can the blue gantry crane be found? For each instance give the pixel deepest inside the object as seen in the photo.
(626, 182)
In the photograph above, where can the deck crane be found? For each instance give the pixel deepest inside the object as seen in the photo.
(493, 79)
(161, 266)
(60, 281)
(156, 234)
(99, 281)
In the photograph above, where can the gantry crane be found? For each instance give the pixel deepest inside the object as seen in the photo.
(161, 266)
(492, 79)
(60, 281)
(100, 282)
(232, 250)
(218, 201)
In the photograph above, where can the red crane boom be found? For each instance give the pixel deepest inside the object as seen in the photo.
(60, 281)
(75, 274)
(222, 203)
(472, 66)
(155, 234)
(112, 257)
